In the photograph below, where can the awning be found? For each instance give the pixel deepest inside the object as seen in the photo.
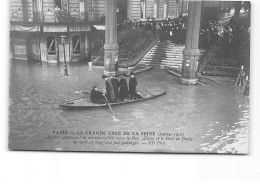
(34, 28)
(79, 28)
(55, 28)
(100, 27)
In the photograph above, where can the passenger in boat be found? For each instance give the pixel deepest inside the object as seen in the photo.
(123, 92)
(132, 86)
(115, 84)
(109, 89)
(97, 96)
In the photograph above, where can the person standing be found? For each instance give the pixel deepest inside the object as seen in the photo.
(56, 13)
(132, 86)
(123, 92)
(247, 86)
(115, 84)
(240, 79)
(109, 89)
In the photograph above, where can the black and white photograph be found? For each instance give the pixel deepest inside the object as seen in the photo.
(132, 76)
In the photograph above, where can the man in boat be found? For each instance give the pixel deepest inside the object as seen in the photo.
(109, 89)
(132, 86)
(97, 96)
(115, 84)
(123, 92)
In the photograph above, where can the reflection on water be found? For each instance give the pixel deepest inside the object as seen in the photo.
(216, 117)
(138, 113)
(231, 140)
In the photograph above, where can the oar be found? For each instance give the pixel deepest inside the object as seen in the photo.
(114, 116)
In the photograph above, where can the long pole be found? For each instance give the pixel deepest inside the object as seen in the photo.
(114, 116)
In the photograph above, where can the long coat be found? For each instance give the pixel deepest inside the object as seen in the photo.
(115, 84)
(109, 91)
(97, 97)
(123, 93)
(132, 86)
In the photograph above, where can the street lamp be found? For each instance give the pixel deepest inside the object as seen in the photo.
(63, 41)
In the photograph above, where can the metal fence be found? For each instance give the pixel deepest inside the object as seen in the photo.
(223, 71)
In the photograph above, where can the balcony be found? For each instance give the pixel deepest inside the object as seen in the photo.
(63, 17)
(59, 17)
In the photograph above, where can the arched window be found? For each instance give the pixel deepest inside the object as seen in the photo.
(76, 44)
(51, 47)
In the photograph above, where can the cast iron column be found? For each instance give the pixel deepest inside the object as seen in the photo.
(191, 51)
(111, 46)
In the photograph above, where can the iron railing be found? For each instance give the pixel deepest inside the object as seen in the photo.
(58, 17)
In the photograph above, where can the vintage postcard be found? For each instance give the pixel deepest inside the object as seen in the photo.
(166, 76)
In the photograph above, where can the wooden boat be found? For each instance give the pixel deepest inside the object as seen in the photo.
(85, 103)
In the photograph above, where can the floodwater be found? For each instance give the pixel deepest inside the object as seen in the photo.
(212, 119)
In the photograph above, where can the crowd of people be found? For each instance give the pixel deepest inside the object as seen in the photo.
(211, 32)
(229, 35)
(174, 30)
(116, 91)
(150, 25)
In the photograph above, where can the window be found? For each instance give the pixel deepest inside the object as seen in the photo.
(51, 45)
(142, 9)
(58, 3)
(155, 9)
(165, 9)
(76, 44)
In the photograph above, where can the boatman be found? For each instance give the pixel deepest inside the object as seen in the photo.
(109, 89)
(97, 96)
(132, 86)
(123, 92)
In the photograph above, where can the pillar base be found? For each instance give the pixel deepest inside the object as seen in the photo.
(188, 81)
(111, 73)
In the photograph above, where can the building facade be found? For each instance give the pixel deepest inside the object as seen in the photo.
(36, 26)
(158, 9)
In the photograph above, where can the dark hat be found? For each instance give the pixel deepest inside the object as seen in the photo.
(93, 87)
(132, 73)
(104, 76)
(124, 75)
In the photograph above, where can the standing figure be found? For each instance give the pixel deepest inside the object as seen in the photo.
(123, 92)
(115, 84)
(56, 13)
(109, 89)
(240, 79)
(247, 86)
(132, 86)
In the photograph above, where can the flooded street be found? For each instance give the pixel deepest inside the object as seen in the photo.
(215, 118)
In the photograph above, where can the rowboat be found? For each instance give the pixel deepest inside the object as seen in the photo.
(85, 103)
